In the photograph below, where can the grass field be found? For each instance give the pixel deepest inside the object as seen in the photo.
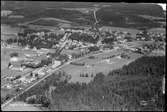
(6, 29)
(151, 17)
(17, 106)
(158, 30)
(99, 64)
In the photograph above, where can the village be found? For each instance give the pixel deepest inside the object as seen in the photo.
(42, 63)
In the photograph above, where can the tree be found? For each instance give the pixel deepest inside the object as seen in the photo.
(94, 48)
(14, 54)
(9, 64)
(99, 78)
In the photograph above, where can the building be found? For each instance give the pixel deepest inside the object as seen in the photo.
(16, 64)
(39, 72)
(56, 63)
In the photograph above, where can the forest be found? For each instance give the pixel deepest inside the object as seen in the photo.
(121, 89)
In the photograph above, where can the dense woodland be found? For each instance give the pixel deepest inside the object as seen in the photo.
(121, 89)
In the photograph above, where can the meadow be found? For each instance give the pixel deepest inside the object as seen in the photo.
(99, 64)
(130, 30)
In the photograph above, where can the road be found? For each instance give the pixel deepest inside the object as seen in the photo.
(34, 84)
(5, 76)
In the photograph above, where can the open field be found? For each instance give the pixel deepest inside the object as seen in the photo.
(138, 43)
(99, 64)
(44, 21)
(110, 28)
(17, 106)
(6, 29)
(158, 30)
(151, 17)
(4, 92)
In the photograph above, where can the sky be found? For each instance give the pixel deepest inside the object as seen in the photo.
(163, 6)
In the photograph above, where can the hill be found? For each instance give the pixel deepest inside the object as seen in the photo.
(114, 14)
(127, 15)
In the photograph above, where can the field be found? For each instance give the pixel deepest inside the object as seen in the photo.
(99, 64)
(151, 17)
(47, 22)
(17, 106)
(158, 30)
(115, 13)
(110, 28)
(6, 29)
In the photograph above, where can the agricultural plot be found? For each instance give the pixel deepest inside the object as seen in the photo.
(48, 22)
(138, 43)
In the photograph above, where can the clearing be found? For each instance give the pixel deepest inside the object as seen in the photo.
(98, 64)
